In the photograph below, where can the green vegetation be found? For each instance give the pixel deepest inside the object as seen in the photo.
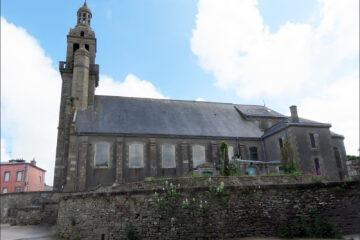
(290, 164)
(352, 158)
(309, 228)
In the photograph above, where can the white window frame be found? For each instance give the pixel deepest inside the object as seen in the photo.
(4, 190)
(131, 163)
(6, 179)
(108, 155)
(196, 162)
(21, 176)
(172, 162)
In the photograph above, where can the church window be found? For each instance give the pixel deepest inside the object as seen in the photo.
(198, 153)
(82, 33)
(102, 154)
(136, 155)
(317, 166)
(230, 152)
(168, 156)
(253, 153)
(312, 140)
(87, 47)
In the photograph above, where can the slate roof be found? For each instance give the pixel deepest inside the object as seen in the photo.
(336, 135)
(287, 122)
(258, 111)
(125, 115)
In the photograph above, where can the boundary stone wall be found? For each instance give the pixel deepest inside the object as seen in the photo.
(238, 211)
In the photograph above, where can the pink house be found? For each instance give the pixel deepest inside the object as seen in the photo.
(20, 176)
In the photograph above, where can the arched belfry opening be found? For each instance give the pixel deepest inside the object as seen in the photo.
(76, 46)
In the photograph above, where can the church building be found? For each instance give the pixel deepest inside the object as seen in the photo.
(104, 140)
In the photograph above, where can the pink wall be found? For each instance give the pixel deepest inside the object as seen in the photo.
(33, 177)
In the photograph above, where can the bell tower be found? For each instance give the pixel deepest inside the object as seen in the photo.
(80, 77)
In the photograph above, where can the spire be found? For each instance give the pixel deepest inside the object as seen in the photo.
(84, 15)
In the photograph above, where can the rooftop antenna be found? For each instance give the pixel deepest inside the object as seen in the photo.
(264, 102)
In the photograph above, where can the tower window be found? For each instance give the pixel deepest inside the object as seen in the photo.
(82, 33)
(75, 47)
(87, 47)
(312, 140)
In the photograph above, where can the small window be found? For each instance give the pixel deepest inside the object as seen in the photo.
(168, 156)
(87, 47)
(253, 153)
(198, 155)
(102, 154)
(136, 155)
(82, 33)
(312, 140)
(19, 176)
(4, 190)
(6, 176)
(230, 152)
(317, 166)
(17, 189)
(281, 144)
(75, 47)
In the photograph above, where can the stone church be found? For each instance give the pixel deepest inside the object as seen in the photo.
(104, 140)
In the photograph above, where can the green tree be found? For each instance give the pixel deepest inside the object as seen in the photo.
(289, 162)
(225, 157)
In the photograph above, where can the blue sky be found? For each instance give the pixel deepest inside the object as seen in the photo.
(280, 52)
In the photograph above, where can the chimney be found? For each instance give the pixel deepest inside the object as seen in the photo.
(294, 114)
(33, 162)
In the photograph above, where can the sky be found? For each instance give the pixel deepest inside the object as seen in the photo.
(273, 52)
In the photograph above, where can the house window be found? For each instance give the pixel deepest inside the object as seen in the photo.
(317, 166)
(19, 176)
(168, 156)
(312, 140)
(337, 158)
(253, 153)
(4, 190)
(102, 154)
(6, 176)
(231, 152)
(281, 144)
(198, 153)
(17, 189)
(136, 155)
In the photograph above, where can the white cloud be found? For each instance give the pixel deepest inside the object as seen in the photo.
(30, 94)
(132, 86)
(232, 41)
(200, 99)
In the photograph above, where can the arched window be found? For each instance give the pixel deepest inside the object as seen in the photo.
(198, 155)
(87, 47)
(102, 154)
(136, 155)
(253, 153)
(82, 33)
(168, 156)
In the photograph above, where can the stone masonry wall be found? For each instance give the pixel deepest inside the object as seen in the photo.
(206, 212)
(29, 208)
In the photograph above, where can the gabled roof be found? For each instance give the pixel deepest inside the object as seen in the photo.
(144, 116)
(287, 123)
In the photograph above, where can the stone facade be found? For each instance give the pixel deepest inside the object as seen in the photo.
(115, 123)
